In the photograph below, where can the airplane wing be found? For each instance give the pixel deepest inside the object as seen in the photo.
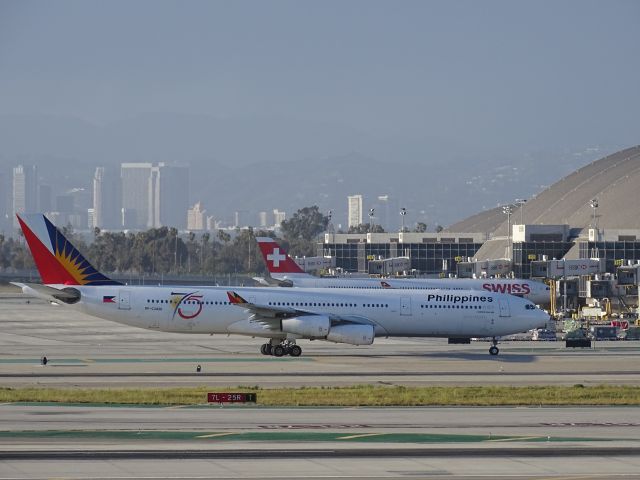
(269, 316)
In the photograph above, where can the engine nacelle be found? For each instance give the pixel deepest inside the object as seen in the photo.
(313, 326)
(352, 334)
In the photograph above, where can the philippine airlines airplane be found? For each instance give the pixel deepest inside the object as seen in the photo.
(282, 315)
(287, 272)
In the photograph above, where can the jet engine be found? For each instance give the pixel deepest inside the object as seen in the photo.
(313, 326)
(352, 334)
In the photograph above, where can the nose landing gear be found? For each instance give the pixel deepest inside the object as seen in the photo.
(286, 347)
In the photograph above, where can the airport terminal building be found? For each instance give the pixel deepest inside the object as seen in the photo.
(590, 215)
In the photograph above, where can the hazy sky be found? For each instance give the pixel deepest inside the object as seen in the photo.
(489, 73)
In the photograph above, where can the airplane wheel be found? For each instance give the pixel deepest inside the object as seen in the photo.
(493, 350)
(295, 351)
(268, 349)
(278, 351)
(263, 349)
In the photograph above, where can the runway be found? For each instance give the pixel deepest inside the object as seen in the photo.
(240, 442)
(320, 439)
(45, 441)
(89, 352)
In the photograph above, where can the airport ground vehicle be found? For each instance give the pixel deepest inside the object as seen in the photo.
(603, 332)
(543, 334)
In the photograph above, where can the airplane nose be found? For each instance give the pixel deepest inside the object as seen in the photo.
(541, 318)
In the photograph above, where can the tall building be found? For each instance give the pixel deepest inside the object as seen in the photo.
(240, 218)
(168, 196)
(262, 219)
(135, 194)
(91, 218)
(278, 217)
(196, 216)
(25, 190)
(354, 210)
(106, 199)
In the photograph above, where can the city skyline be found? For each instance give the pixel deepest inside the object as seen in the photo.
(137, 196)
(121, 199)
(448, 108)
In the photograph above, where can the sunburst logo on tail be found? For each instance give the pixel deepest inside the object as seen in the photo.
(58, 261)
(235, 298)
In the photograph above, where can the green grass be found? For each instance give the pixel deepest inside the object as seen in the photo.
(363, 395)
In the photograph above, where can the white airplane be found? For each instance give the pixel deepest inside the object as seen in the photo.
(287, 272)
(282, 315)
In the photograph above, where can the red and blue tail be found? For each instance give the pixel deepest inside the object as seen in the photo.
(58, 261)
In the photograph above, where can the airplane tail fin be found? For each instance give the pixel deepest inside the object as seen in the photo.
(277, 260)
(58, 261)
(236, 299)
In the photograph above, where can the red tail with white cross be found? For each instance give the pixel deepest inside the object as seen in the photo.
(276, 257)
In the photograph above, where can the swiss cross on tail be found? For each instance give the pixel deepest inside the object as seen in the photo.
(276, 257)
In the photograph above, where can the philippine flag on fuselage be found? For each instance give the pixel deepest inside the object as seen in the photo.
(109, 299)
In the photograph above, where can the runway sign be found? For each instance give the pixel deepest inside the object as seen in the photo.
(227, 397)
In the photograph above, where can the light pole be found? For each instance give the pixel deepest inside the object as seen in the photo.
(371, 212)
(508, 210)
(330, 225)
(520, 202)
(403, 212)
(594, 205)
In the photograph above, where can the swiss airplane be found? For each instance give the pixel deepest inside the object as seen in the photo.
(287, 272)
(282, 315)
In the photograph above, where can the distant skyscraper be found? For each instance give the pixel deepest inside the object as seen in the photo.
(278, 217)
(135, 194)
(355, 210)
(25, 190)
(91, 218)
(262, 219)
(196, 217)
(241, 218)
(106, 199)
(168, 196)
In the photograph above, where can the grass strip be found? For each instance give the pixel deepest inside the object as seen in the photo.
(359, 395)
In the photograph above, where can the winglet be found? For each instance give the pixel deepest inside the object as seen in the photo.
(385, 284)
(236, 299)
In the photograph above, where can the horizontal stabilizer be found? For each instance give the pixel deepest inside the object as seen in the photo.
(66, 295)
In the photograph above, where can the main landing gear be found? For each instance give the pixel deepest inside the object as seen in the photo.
(493, 349)
(281, 349)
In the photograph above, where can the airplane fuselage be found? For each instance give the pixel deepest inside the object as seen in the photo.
(404, 313)
(536, 292)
